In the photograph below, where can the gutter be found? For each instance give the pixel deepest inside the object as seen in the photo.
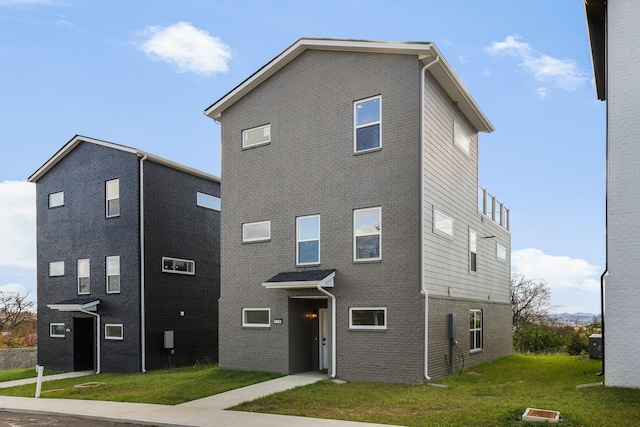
(97, 316)
(143, 346)
(333, 330)
(423, 284)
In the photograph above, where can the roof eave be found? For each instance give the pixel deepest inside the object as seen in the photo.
(596, 16)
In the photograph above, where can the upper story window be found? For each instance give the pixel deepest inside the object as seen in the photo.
(180, 266)
(367, 124)
(501, 252)
(473, 251)
(256, 231)
(84, 286)
(367, 230)
(253, 137)
(308, 240)
(113, 274)
(113, 197)
(475, 329)
(56, 268)
(56, 199)
(208, 201)
(460, 139)
(113, 331)
(368, 318)
(442, 223)
(256, 317)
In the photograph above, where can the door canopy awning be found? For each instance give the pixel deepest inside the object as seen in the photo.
(301, 279)
(76, 305)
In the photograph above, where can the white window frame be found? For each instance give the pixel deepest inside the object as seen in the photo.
(247, 225)
(436, 224)
(54, 335)
(356, 127)
(246, 132)
(356, 234)
(461, 140)
(299, 240)
(208, 201)
(55, 265)
(501, 252)
(119, 337)
(368, 327)
(112, 274)
(109, 197)
(473, 250)
(473, 346)
(246, 324)
(52, 199)
(188, 261)
(85, 275)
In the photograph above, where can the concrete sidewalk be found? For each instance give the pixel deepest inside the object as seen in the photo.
(206, 412)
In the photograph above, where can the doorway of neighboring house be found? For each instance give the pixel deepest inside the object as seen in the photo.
(83, 343)
(323, 337)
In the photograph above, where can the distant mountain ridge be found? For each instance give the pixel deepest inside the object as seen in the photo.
(576, 318)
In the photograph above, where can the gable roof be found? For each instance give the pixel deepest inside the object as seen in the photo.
(73, 143)
(425, 51)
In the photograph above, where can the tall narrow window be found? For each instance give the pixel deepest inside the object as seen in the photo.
(56, 199)
(460, 139)
(501, 252)
(83, 276)
(475, 330)
(113, 274)
(308, 240)
(367, 229)
(113, 197)
(368, 121)
(473, 251)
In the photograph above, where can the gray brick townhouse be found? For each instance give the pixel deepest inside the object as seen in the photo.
(352, 241)
(127, 260)
(614, 36)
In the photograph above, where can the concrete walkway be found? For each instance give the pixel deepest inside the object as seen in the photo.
(206, 412)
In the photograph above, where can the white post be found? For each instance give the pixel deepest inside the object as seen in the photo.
(39, 384)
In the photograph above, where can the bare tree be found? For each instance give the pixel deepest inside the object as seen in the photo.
(529, 300)
(15, 310)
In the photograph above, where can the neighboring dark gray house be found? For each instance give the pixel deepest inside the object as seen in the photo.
(128, 260)
(351, 234)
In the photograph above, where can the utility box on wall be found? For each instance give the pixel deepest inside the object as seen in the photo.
(168, 339)
(595, 346)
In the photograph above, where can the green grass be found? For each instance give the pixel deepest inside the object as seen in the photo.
(19, 374)
(167, 387)
(494, 394)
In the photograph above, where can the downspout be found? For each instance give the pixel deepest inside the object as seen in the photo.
(143, 346)
(97, 316)
(333, 330)
(606, 222)
(423, 282)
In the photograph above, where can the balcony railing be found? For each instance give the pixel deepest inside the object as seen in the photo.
(493, 209)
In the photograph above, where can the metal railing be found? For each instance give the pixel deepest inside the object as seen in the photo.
(492, 208)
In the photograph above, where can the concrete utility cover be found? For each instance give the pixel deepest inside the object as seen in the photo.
(541, 415)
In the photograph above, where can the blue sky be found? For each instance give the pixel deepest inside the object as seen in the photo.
(141, 73)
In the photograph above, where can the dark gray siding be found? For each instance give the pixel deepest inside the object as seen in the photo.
(176, 227)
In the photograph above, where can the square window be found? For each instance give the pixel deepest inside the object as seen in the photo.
(253, 137)
(113, 198)
(368, 318)
(501, 252)
(308, 240)
(207, 201)
(56, 268)
(84, 286)
(56, 199)
(475, 329)
(442, 223)
(56, 330)
(113, 332)
(367, 124)
(256, 317)
(113, 274)
(367, 231)
(178, 266)
(256, 231)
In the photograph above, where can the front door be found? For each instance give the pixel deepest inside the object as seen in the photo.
(83, 343)
(323, 317)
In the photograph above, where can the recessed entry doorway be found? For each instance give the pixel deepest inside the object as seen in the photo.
(309, 334)
(84, 344)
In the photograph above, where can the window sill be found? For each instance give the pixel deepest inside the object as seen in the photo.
(370, 150)
(367, 261)
(260, 144)
(478, 350)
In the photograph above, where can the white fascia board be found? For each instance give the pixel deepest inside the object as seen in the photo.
(177, 166)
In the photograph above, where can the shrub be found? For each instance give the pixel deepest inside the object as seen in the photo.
(537, 338)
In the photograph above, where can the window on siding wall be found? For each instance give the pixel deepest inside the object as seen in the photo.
(368, 318)
(256, 231)
(56, 330)
(56, 199)
(368, 123)
(367, 230)
(84, 277)
(179, 266)
(308, 240)
(475, 329)
(253, 137)
(501, 252)
(56, 268)
(460, 139)
(113, 274)
(473, 251)
(113, 198)
(113, 331)
(208, 201)
(256, 317)
(442, 223)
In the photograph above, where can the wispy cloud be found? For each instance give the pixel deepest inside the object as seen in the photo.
(25, 2)
(563, 73)
(17, 225)
(189, 48)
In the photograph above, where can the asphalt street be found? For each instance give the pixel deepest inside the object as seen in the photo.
(10, 419)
